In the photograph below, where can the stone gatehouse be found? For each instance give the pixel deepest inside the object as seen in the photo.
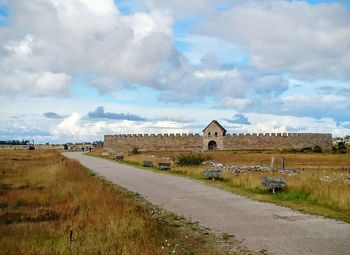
(215, 137)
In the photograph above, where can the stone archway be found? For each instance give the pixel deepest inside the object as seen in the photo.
(212, 145)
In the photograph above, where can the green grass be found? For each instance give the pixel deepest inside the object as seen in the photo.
(293, 196)
(190, 160)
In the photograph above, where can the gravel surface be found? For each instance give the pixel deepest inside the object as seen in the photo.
(276, 229)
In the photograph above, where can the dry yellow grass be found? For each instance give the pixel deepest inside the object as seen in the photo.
(293, 160)
(52, 205)
(305, 191)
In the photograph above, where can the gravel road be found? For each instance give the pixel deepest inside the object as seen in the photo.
(276, 229)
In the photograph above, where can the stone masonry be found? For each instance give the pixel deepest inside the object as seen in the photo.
(215, 137)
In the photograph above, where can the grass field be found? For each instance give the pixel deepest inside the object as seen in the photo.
(52, 205)
(304, 192)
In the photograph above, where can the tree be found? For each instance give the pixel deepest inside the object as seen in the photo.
(342, 147)
(317, 149)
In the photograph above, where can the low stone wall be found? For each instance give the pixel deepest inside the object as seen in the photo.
(167, 142)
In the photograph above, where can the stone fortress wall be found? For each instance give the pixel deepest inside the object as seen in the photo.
(215, 138)
(153, 142)
(277, 141)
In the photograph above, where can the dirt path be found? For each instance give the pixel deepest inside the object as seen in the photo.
(259, 225)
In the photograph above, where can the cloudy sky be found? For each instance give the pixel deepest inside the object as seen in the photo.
(76, 70)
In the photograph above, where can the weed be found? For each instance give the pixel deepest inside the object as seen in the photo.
(190, 160)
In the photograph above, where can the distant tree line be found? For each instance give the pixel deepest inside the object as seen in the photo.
(94, 143)
(347, 137)
(15, 142)
(27, 142)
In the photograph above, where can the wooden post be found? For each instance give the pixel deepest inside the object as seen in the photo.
(272, 165)
(282, 163)
(71, 237)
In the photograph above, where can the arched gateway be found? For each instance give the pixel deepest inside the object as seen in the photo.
(212, 145)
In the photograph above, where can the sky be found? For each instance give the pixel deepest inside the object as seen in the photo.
(73, 71)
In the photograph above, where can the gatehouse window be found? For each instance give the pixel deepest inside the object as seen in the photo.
(209, 134)
(216, 134)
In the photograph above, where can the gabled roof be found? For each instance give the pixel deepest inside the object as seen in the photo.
(217, 124)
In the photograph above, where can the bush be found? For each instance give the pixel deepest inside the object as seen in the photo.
(317, 149)
(341, 146)
(306, 149)
(190, 160)
(135, 150)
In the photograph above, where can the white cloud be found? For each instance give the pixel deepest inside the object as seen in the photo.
(22, 48)
(267, 123)
(76, 128)
(236, 103)
(308, 40)
(49, 43)
(335, 102)
(179, 7)
(216, 74)
(34, 83)
(77, 36)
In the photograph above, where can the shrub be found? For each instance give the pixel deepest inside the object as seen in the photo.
(306, 149)
(317, 149)
(341, 146)
(190, 160)
(135, 150)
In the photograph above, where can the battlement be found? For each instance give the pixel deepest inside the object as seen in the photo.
(153, 135)
(167, 135)
(278, 134)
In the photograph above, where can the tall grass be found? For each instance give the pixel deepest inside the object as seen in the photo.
(300, 161)
(305, 191)
(190, 160)
(52, 205)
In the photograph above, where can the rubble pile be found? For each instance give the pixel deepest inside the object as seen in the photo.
(212, 173)
(273, 183)
(244, 169)
(213, 164)
(345, 180)
(288, 172)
